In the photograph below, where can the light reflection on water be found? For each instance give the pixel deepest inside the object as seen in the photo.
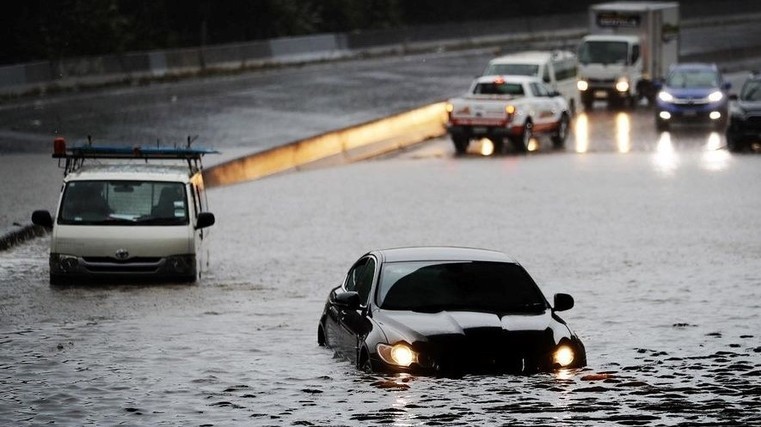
(715, 156)
(623, 132)
(665, 159)
(581, 133)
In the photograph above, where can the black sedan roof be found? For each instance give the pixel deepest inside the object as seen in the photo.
(441, 253)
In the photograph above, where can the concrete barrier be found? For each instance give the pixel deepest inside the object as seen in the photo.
(553, 31)
(342, 146)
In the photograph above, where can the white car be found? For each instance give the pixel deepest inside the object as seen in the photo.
(128, 213)
(516, 108)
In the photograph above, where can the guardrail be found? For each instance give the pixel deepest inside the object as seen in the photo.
(341, 146)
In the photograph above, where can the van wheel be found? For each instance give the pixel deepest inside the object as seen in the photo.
(560, 135)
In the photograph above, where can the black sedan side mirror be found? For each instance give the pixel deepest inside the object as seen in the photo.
(347, 300)
(205, 219)
(563, 302)
(42, 218)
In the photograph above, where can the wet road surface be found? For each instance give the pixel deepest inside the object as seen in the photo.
(657, 236)
(659, 246)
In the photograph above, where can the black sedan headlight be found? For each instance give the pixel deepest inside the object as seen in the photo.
(399, 354)
(563, 356)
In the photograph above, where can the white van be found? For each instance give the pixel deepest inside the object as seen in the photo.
(128, 213)
(557, 68)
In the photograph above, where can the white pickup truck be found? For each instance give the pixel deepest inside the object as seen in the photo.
(516, 108)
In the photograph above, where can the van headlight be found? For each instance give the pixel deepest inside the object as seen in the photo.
(399, 354)
(582, 85)
(62, 263)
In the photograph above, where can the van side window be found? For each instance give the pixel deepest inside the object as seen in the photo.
(565, 69)
(546, 75)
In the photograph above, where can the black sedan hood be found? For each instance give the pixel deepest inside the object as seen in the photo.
(420, 327)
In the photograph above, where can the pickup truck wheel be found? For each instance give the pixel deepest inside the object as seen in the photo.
(522, 141)
(460, 144)
(560, 135)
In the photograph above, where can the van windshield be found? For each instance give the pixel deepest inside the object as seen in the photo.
(105, 202)
(512, 70)
(603, 52)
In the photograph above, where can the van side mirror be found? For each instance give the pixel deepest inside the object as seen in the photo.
(205, 219)
(42, 218)
(563, 302)
(726, 86)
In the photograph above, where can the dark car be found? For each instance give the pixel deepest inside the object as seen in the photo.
(447, 311)
(695, 93)
(745, 116)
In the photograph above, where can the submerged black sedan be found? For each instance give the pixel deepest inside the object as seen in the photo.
(447, 311)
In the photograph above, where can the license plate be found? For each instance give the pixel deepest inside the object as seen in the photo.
(601, 94)
(690, 113)
(479, 130)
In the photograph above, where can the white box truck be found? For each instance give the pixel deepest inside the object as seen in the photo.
(630, 47)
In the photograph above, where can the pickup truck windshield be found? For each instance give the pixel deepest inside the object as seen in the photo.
(124, 203)
(492, 287)
(603, 52)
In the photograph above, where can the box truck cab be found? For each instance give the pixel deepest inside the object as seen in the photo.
(630, 48)
(557, 68)
(128, 213)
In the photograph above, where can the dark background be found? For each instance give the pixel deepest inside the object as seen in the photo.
(55, 29)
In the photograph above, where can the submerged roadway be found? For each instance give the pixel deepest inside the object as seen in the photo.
(657, 236)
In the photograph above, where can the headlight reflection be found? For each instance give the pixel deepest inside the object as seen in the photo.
(623, 132)
(581, 133)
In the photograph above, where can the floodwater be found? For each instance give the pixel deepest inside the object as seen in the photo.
(659, 246)
(656, 235)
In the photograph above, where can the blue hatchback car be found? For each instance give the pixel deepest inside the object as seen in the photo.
(695, 93)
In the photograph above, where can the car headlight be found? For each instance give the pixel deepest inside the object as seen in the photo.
(622, 85)
(399, 354)
(582, 85)
(665, 96)
(716, 96)
(563, 356)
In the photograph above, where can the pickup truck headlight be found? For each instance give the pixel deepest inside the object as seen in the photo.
(582, 85)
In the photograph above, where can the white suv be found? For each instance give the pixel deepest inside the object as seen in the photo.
(128, 213)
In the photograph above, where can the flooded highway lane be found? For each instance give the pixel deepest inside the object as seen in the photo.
(664, 263)
(656, 235)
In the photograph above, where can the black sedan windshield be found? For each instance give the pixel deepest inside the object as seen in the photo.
(493, 287)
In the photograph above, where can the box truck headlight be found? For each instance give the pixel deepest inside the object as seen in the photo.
(622, 85)
(582, 85)
(665, 96)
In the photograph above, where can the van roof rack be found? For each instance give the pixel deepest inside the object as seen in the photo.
(75, 156)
